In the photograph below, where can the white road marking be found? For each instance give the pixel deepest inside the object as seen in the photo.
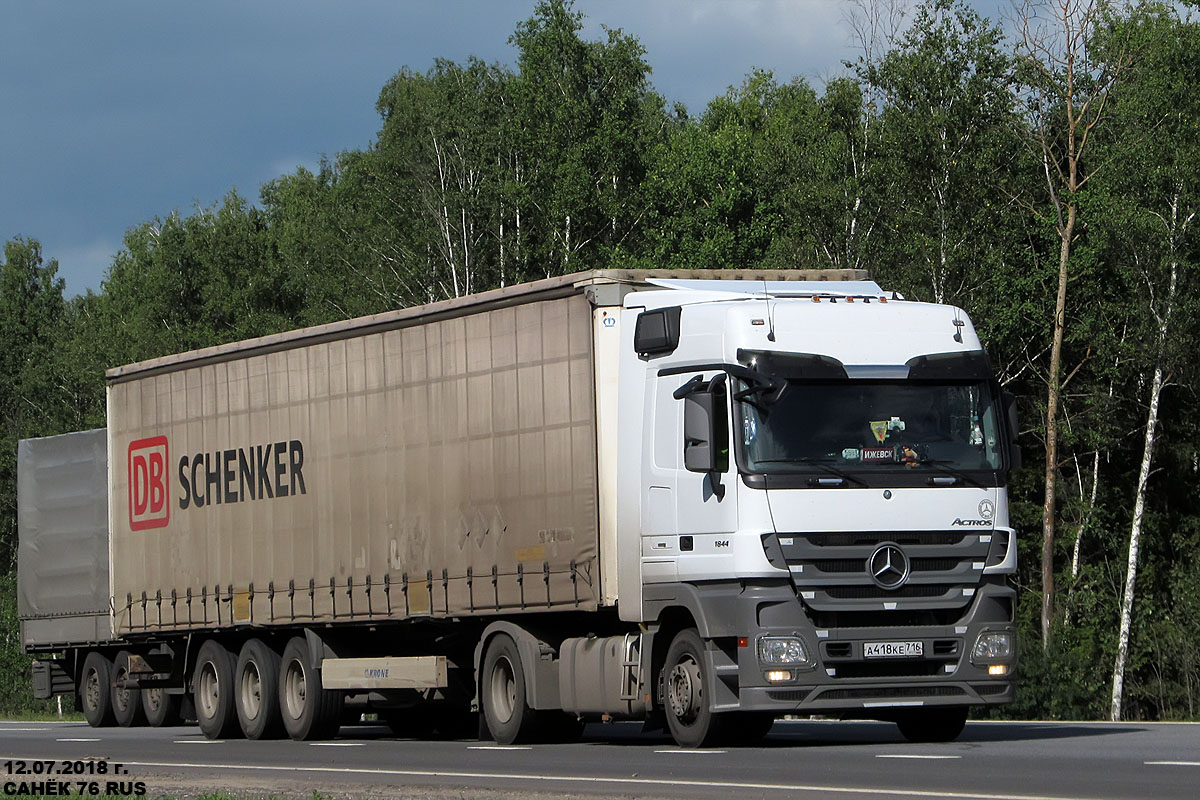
(497, 747)
(3, 730)
(584, 779)
(198, 741)
(681, 751)
(77, 740)
(335, 744)
(911, 755)
(1172, 763)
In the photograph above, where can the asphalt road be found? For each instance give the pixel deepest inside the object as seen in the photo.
(842, 760)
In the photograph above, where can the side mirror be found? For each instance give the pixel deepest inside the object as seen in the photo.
(1014, 448)
(699, 434)
(705, 431)
(657, 332)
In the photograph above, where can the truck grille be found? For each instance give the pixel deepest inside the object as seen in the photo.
(830, 571)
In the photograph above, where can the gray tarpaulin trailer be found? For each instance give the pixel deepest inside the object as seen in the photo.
(416, 513)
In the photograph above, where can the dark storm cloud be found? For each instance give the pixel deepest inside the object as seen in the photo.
(114, 113)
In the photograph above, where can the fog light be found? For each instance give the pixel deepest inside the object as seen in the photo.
(994, 645)
(782, 651)
(998, 669)
(778, 676)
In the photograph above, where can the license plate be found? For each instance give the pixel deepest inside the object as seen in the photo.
(893, 649)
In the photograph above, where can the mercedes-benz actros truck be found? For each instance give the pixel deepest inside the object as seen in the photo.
(701, 499)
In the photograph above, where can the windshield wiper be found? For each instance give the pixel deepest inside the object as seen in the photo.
(943, 465)
(820, 463)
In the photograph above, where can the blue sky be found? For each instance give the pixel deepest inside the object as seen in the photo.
(114, 113)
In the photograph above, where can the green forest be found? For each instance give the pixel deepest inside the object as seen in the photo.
(1041, 174)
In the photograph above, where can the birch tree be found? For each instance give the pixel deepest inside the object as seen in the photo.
(950, 136)
(1064, 90)
(1156, 200)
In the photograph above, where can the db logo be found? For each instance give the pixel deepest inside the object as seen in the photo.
(148, 507)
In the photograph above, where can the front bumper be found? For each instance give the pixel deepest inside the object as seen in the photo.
(842, 680)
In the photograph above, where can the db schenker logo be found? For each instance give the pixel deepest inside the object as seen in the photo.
(148, 484)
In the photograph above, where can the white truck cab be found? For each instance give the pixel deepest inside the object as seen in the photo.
(816, 473)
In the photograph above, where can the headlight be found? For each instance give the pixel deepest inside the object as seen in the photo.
(782, 651)
(993, 646)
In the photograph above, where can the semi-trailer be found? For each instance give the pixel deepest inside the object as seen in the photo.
(700, 499)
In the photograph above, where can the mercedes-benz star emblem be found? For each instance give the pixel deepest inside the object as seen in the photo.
(888, 566)
(986, 509)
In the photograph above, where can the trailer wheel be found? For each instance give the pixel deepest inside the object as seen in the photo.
(213, 690)
(95, 690)
(502, 691)
(257, 677)
(688, 709)
(932, 724)
(308, 711)
(126, 703)
(162, 709)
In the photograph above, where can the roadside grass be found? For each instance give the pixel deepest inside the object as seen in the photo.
(28, 715)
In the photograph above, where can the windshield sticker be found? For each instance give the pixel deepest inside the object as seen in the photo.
(850, 454)
(749, 431)
(877, 454)
(880, 429)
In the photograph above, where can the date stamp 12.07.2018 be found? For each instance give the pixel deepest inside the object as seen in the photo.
(91, 777)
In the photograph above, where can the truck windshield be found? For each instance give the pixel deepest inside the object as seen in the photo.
(872, 426)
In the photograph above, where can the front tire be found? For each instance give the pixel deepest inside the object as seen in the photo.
(685, 699)
(309, 711)
(257, 681)
(95, 690)
(505, 707)
(126, 703)
(213, 690)
(932, 724)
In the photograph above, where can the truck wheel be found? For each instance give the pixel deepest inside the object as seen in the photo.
(502, 691)
(161, 709)
(308, 711)
(126, 703)
(257, 677)
(95, 690)
(689, 714)
(932, 724)
(213, 690)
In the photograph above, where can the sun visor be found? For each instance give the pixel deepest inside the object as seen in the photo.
(972, 365)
